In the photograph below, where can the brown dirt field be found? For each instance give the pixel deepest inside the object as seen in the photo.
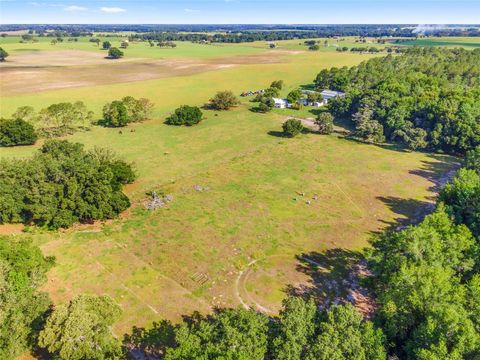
(40, 59)
(68, 69)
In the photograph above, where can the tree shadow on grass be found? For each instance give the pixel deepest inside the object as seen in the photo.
(152, 343)
(277, 133)
(438, 172)
(328, 274)
(310, 87)
(411, 211)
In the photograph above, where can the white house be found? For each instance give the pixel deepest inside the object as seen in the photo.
(281, 103)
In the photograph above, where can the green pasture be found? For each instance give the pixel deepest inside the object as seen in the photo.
(466, 42)
(135, 49)
(258, 188)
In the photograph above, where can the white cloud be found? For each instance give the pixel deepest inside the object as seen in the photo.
(190, 10)
(74, 8)
(34, 3)
(112, 10)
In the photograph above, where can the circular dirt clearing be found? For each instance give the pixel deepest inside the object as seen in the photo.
(267, 282)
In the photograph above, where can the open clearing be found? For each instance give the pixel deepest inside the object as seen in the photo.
(190, 255)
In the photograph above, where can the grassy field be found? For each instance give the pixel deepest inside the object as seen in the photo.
(268, 199)
(465, 42)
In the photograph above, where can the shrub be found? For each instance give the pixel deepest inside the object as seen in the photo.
(325, 123)
(185, 115)
(224, 100)
(292, 127)
(296, 106)
(115, 53)
(16, 132)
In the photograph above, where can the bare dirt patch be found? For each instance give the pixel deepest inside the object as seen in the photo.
(49, 70)
(11, 229)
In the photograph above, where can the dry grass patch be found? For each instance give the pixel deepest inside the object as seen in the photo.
(50, 70)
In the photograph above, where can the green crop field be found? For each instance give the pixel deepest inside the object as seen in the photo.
(265, 199)
(465, 42)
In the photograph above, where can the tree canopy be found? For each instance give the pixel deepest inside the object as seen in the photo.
(292, 127)
(224, 100)
(16, 132)
(422, 277)
(424, 98)
(23, 271)
(57, 119)
(81, 329)
(115, 53)
(325, 123)
(185, 115)
(120, 113)
(63, 184)
(228, 334)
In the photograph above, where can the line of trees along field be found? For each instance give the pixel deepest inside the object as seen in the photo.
(425, 278)
(242, 32)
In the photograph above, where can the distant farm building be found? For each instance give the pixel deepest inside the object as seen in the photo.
(330, 94)
(281, 103)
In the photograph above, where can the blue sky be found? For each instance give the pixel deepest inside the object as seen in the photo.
(240, 11)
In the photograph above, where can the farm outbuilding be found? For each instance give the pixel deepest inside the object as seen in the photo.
(329, 94)
(281, 103)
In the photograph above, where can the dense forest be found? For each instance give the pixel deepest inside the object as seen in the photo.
(425, 98)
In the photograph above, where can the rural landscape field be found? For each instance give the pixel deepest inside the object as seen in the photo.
(249, 216)
(147, 258)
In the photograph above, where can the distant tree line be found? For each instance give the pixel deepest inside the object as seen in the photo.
(244, 32)
(424, 98)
